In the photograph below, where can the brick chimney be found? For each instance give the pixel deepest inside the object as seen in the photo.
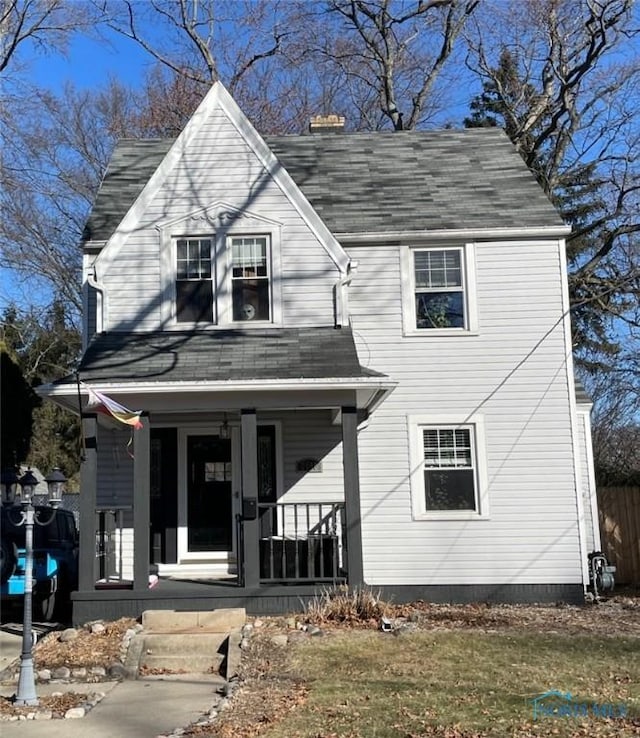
(326, 124)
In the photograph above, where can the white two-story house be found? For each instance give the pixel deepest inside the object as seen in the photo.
(352, 355)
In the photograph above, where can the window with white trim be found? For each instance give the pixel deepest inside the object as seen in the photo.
(208, 289)
(448, 468)
(439, 289)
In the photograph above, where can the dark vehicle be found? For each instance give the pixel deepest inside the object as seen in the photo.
(55, 560)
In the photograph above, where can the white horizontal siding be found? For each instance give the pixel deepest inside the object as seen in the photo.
(514, 374)
(310, 434)
(115, 468)
(219, 166)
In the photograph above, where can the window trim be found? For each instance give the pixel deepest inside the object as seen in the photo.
(218, 222)
(416, 423)
(227, 312)
(407, 271)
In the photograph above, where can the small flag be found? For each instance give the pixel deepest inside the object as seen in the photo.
(106, 405)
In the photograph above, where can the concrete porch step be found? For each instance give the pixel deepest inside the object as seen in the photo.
(187, 642)
(192, 653)
(182, 644)
(189, 621)
(188, 664)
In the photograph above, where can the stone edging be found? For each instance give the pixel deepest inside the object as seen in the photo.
(65, 675)
(40, 713)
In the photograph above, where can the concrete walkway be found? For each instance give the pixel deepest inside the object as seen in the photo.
(141, 708)
(131, 709)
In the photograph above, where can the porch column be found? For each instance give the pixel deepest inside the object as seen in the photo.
(141, 504)
(352, 495)
(87, 505)
(250, 522)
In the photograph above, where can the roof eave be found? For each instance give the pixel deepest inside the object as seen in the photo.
(468, 234)
(373, 390)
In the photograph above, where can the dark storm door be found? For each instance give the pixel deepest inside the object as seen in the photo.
(209, 501)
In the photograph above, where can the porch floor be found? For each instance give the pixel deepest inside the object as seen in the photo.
(111, 603)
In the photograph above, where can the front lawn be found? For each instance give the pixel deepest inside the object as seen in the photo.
(365, 683)
(436, 682)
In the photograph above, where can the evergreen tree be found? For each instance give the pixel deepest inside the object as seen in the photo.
(38, 348)
(16, 411)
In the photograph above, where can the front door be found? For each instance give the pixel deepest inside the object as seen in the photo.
(209, 494)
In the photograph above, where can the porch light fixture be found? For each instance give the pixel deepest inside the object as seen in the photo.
(224, 428)
(9, 482)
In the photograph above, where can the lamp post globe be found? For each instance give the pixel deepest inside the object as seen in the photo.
(9, 482)
(55, 484)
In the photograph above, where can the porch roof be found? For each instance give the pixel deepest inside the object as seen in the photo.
(279, 367)
(225, 355)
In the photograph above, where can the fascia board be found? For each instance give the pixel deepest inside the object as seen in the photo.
(284, 180)
(370, 391)
(131, 388)
(467, 234)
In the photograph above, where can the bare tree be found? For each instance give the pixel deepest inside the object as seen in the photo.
(559, 77)
(55, 150)
(204, 40)
(397, 50)
(47, 24)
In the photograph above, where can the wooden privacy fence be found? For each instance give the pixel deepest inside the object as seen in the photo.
(620, 530)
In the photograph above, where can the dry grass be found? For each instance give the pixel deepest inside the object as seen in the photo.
(350, 606)
(459, 684)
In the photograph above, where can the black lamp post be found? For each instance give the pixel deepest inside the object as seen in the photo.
(26, 694)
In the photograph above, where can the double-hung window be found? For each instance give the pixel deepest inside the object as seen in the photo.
(194, 280)
(250, 278)
(448, 468)
(439, 290)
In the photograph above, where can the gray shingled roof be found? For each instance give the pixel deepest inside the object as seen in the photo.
(188, 356)
(130, 167)
(372, 182)
(415, 180)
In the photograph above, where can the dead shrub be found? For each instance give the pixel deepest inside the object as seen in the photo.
(344, 605)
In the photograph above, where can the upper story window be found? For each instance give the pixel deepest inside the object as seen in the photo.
(222, 279)
(250, 278)
(194, 286)
(439, 290)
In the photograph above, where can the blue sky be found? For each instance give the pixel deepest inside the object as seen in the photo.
(90, 62)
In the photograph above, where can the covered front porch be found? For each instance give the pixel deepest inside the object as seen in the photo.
(202, 527)
(242, 483)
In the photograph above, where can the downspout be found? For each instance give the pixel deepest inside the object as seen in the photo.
(102, 299)
(342, 295)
